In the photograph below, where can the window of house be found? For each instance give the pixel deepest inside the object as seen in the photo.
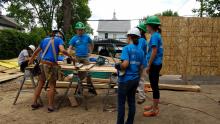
(114, 36)
(106, 35)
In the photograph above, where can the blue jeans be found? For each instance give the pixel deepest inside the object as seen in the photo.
(127, 90)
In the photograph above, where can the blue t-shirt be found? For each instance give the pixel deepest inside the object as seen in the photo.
(156, 41)
(142, 44)
(81, 43)
(135, 56)
(49, 56)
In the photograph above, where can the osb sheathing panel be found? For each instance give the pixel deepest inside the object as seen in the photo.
(191, 46)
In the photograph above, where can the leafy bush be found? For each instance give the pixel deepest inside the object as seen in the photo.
(12, 41)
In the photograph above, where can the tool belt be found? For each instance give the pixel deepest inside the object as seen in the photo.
(49, 63)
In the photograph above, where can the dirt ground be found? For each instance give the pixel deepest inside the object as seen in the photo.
(175, 108)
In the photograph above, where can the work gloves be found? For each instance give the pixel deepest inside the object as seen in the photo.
(118, 66)
(69, 60)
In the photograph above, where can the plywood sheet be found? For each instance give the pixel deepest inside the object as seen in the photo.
(2, 68)
(11, 71)
(10, 77)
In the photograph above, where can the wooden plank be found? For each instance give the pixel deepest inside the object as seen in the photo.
(11, 71)
(93, 69)
(2, 68)
(62, 84)
(103, 69)
(192, 88)
(87, 67)
(68, 67)
(99, 80)
(73, 101)
(2, 74)
(10, 77)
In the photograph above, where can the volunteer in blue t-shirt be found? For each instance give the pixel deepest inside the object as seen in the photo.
(129, 71)
(83, 47)
(142, 44)
(50, 47)
(82, 42)
(155, 60)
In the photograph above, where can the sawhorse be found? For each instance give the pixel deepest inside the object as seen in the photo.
(111, 91)
(78, 91)
(22, 83)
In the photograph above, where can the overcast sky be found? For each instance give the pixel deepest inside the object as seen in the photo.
(136, 9)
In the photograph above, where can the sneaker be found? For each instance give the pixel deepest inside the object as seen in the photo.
(151, 113)
(50, 109)
(141, 101)
(148, 108)
(35, 106)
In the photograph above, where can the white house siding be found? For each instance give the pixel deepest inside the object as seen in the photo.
(111, 35)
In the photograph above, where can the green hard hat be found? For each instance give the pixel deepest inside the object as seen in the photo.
(152, 20)
(142, 26)
(79, 25)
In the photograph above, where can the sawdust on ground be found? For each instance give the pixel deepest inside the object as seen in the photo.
(175, 108)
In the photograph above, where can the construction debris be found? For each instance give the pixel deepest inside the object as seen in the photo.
(10, 77)
(11, 63)
(9, 70)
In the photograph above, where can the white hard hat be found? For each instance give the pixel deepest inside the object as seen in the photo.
(32, 47)
(134, 31)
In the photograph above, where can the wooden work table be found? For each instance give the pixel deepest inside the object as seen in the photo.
(90, 68)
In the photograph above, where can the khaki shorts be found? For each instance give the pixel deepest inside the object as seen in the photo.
(84, 61)
(48, 72)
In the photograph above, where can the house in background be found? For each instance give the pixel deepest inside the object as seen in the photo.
(112, 35)
(9, 23)
(113, 29)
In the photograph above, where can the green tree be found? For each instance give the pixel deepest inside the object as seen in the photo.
(13, 41)
(27, 12)
(168, 13)
(209, 8)
(66, 20)
(31, 13)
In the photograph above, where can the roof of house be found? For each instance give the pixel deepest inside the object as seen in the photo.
(9, 22)
(121, 26)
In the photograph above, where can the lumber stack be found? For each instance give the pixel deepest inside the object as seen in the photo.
(103, 84)
(7, 77)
